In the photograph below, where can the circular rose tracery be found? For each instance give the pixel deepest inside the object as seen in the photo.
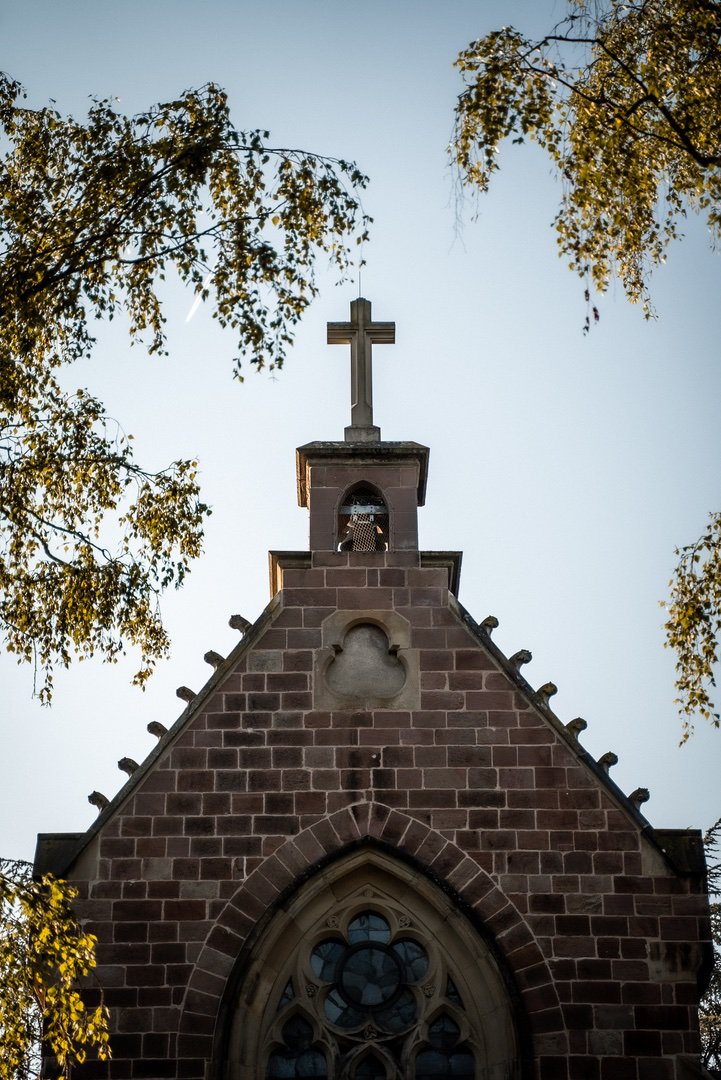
(369, 977)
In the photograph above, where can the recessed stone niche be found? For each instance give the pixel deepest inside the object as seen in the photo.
(366, 662)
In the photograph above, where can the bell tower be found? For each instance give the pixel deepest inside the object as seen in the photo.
(363, 494)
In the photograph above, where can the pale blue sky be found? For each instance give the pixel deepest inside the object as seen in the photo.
(565, 467)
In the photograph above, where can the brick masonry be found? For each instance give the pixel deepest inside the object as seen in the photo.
(477, 784)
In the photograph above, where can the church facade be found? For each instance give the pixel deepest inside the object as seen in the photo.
(369, 850)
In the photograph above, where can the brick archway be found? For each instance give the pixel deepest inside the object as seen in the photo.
(295, 860)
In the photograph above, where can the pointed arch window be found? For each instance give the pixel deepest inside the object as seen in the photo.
(375, 988)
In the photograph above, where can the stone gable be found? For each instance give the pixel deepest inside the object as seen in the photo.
(369, 850)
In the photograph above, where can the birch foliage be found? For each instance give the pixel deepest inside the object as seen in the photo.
(94, 214)
(623, 98)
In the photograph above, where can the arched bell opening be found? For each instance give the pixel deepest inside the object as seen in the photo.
(363, 521)
(370, 972)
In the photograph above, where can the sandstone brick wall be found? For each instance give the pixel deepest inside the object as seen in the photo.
(476, 784)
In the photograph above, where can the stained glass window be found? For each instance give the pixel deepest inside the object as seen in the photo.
(371, 994)
(370, 977)
(444, 1057)
(297, 1059)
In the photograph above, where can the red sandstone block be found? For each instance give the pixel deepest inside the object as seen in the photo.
(409, 778)
(524, 819)
(624, 884)
(596, 992)
(505, 718)
(553, 1068)
(329, 558)
(326, 779)
(482, 797)
(444, 778)
(307, 638)
(466, 680)
(388, 718)
(584, 1067)
(255, 757)
(618, 1068)
(487, 779)
(414, 837)
(632, 862)
(199, 826)
(306, 578)
(416, 736)
(457, 737)
(470, 756)
(235, 703)
(298, 660)
(441, 700)
(256, 737)
(422, 636)
(425, 596)
(287, 680)
(489, 700)
(287, 757)
(277, 803)
(226, 758)
(618, 905)
(167, 826)
(430, 755)
(188, 757)
(456, 636)
(330, 736)
(618, 840)
(253, 681)
(473, 660)
(636, 1043)
(486, 818)
(516, 778)
(364, 598)
(347, 577)
(263, 780)
(195, 780)
(149, 803)
(534, 755)
(678, 928)
(502, 839)
(504, 756)
(397, 756)
(428, 718)
(289, 734)
(339, 800)
(131, 825)
(137, 910)
(431, 798)
(231, 780)
(535, 736)
(523, 862)
(151, 847)
(309, 598)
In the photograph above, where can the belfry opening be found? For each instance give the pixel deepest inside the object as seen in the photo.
(363, 523)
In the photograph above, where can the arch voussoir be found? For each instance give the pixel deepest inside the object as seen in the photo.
(297, 858)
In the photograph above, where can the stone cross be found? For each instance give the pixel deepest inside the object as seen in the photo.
(360, 333)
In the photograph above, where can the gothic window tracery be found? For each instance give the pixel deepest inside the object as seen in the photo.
(370, 980)
(362, 977)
